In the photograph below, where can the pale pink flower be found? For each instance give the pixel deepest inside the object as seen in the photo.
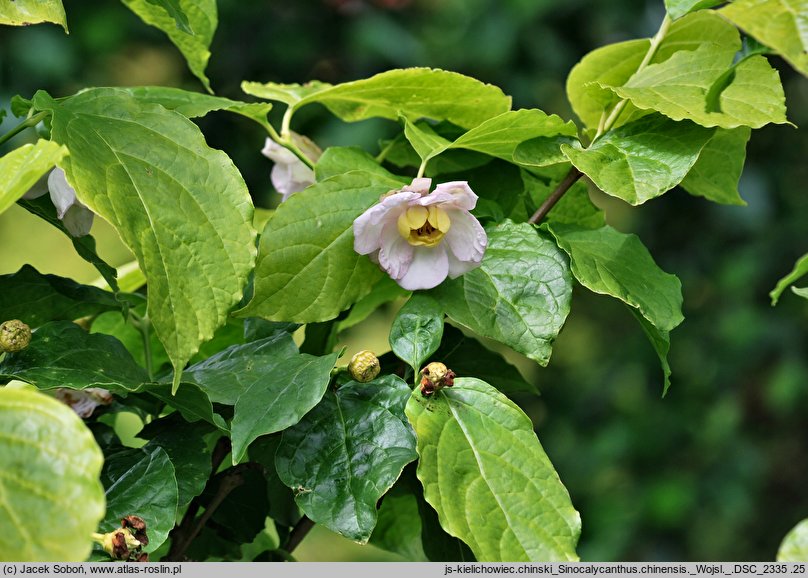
(418, 237)
(291, 175)
(77, 219)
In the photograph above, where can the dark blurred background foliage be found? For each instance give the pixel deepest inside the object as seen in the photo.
(718, 469)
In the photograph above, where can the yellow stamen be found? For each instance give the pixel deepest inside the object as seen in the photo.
(423, 226)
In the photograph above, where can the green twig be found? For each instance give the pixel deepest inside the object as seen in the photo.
(27, 123)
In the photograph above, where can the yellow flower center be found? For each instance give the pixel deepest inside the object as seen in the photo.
(424, 226)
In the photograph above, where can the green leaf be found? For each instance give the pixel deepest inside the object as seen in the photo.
(716, 174)
(62, 354)
(680, 86)
(347, 452)
(609, 262)
(339, 160)
(291, 388)
(290, 94)
(196, 104)
(282, 507)
(149, 172)
(186, 448)
(520, 294)
(779, 24)
(678, 8)
(411, 92)
(141, 482)
(35, 298)
(437, 544)
(24, 166)
(794, 547)
(417, 330)
(25, 12)
(486, 474)
(613, 65)
(426, 142)
(202, 18)
(385, 291)
(643, 159)
(520, 136)
(661, 342)
(610, 65)
(307, 268)
(175, 10)
(575, 207)
(192, 403)
(43, 208)
(49, 469)
(224, 377)
(398, 527)
(468, 357)
(116, 325)
(800, 269)
(800, 291)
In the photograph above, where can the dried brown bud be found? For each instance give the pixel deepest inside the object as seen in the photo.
(138, 527)
(14, 336)
(434, 377)
(364, 366)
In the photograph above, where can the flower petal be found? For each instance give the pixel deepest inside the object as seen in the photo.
(419, 185)
(368, 226)
(277, 153)
(78, 220)
(395, 254)
(428, 269)
(455, 194)
(466, 239)
(61, 193)
(292, 178)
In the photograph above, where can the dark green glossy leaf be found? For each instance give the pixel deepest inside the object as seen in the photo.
(192, 403)
(486, 474)
(347, 452)
(307, 268)
(385, 291)
(43, 208)
(35, 298)
(149, 172)
(520, 294)
(186, 448)
(612, 263)
(282, 507)
(417, 330)
(243, 512)
(467, 357)
(62, 354)
(398, 527)
(49, 468)
(141, 482)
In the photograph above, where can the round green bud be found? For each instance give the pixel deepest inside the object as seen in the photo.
(364, 366)
(14, 336)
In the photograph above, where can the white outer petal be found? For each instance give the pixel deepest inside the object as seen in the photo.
(78, 220)
(428, 269)
(368, 226)
(466, 240)
(419, 185)
(292, 178)
(455, 194)
(395, 254)
(61, 193)
(277, 153)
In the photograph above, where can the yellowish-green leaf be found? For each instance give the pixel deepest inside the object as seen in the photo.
(800, 269)
(24, 166)
(51, 498)
(779, 24)
(794, 547)
(643, 159)
(682, 88)
(25, 12)
(486, 474)
(202, 19)
(716, 174)
(289, 94)
(181, 207)
(678, 8)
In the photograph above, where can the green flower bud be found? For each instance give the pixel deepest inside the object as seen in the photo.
(14, 336)
(364, 366)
